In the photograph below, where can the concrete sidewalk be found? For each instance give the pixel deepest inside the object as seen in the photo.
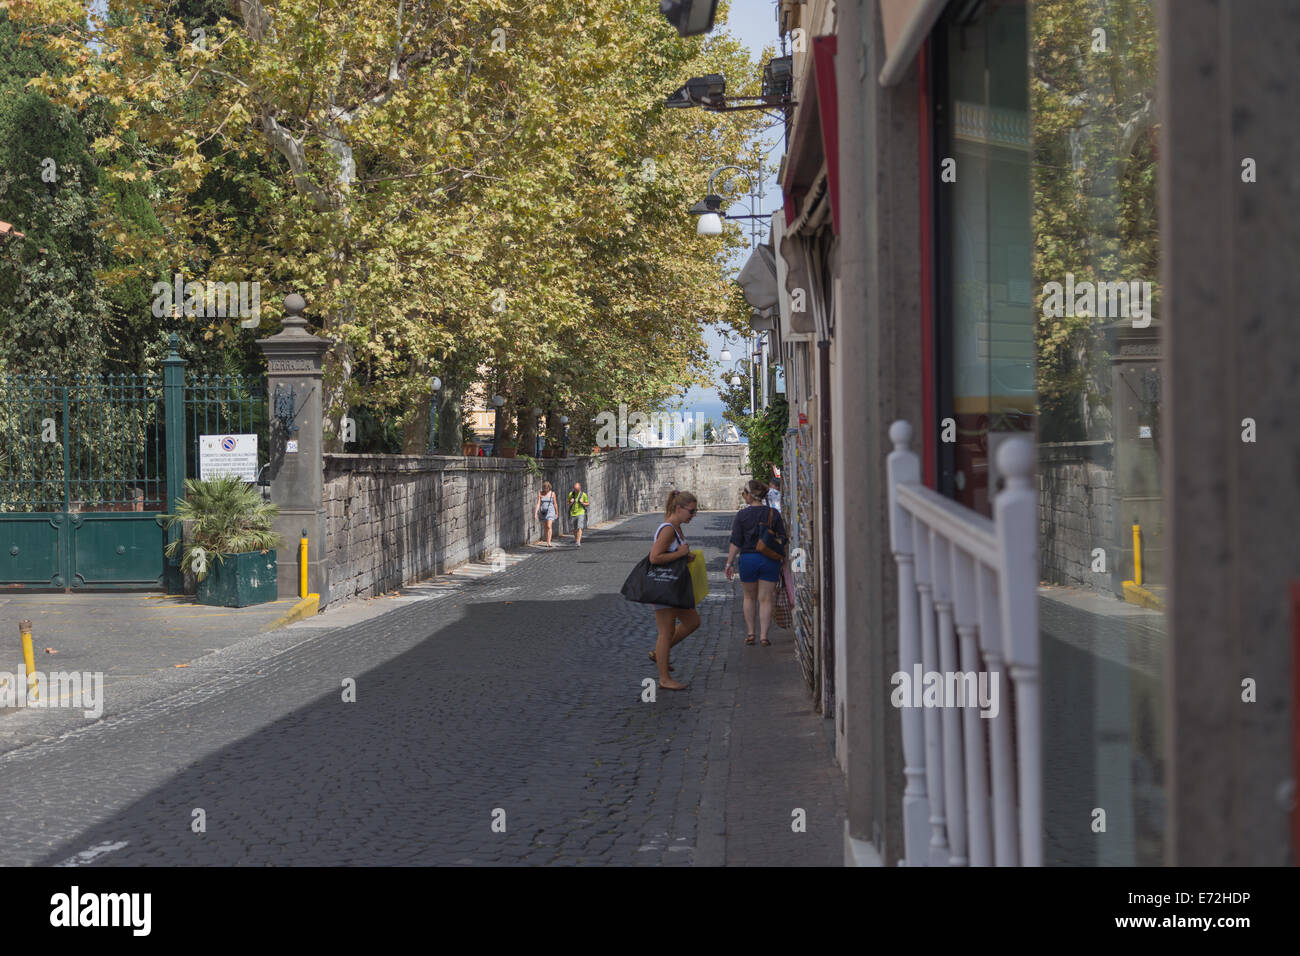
(123, 635)
(771, 756)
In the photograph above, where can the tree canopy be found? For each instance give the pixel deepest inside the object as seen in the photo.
(487, 191)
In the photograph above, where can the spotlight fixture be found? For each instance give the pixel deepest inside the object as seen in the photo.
(690, 17)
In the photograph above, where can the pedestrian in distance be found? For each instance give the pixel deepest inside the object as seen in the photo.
(578, 504)
(774, 494)
(546, 510)
(759, 574)
(674, 623)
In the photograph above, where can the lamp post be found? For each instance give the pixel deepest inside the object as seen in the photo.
(564, 436)
(497, 402)
(735, 379)
(436, 384)
(709, 209)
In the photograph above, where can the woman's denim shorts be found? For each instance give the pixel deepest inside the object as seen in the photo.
(758, 567)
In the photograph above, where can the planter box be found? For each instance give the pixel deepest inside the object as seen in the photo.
(469, 449)
(548, 452)
(239, 580)
(508, 452)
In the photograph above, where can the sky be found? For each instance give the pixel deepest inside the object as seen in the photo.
(754, 23)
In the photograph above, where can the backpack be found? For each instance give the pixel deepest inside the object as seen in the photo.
(771, 543)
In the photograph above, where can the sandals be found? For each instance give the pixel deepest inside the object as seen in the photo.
(749, 639)
(766, 643)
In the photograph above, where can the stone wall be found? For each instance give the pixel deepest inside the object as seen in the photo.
(1076, 482)
(394, 519)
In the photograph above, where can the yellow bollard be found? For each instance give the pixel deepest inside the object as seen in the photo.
(29, 658)
(1137, 553)
(302, 565)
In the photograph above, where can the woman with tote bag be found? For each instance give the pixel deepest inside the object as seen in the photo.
(675, 624)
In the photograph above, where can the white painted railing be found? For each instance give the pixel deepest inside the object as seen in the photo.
(967, 594)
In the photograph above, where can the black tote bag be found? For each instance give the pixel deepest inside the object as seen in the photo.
(668, 584)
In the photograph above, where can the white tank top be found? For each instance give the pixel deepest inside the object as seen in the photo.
(677, 537)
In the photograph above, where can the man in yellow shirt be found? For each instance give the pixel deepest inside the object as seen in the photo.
(578, 502)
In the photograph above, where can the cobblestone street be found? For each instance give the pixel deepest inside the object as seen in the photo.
(520, 692)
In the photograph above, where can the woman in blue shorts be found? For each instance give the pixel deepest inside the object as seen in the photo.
(759, 574)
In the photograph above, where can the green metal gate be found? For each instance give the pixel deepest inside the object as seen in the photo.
(89, 464)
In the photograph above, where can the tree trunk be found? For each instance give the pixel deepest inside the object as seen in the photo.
(527, 431)
(415, 433)
(449, 420)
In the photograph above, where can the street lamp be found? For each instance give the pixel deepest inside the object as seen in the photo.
(497, 401)
(564, 436)
(436, 384)
(736, 380)
(709, 209)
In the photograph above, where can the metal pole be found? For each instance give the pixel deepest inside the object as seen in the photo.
(29, 659)
(176, 439)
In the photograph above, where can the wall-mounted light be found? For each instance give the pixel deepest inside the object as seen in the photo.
(709, 91)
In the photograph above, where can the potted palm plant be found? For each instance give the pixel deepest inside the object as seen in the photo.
(509, 447)
(231, 547)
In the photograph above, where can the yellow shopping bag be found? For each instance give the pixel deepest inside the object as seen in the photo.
(699, 575)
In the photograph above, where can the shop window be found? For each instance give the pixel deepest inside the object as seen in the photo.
(1047, 320)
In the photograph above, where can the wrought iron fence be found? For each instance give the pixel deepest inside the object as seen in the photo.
(99, 443)
(224, 405)
(82, 444)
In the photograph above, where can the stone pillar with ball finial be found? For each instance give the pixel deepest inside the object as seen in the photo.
(293, 363)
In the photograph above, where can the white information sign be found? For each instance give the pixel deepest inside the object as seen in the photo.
(221, 455)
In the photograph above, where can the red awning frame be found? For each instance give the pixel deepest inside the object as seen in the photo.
(811, 153)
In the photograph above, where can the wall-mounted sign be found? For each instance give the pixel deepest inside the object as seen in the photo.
(222, 455)
(291, 446)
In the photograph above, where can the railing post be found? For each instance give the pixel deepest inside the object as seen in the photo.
(1015, 512)
(174, 432)
(950, 717)
(1006, 836)
(934, 769)
(903, 467)
(979, 836)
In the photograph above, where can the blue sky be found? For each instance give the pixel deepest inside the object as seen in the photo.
(754, 23)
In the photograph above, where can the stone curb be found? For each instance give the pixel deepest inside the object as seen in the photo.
(307, 607)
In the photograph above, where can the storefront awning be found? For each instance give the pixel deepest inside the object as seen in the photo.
(907, 23)
(814, 151)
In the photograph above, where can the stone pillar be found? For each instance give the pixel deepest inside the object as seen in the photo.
(1228, 235)
(293, 364)
(876, 379)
